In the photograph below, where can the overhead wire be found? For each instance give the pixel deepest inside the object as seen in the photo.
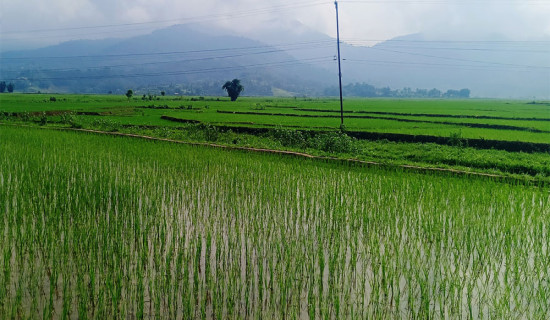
(183, 20)
(287, 46)
(481, 47)
(526, 42)
(403, 44)
(462, 2)
(461, 59)
(439, 65)
(218, 57)
(184, 72)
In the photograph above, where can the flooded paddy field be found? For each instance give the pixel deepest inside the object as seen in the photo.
(102, 227)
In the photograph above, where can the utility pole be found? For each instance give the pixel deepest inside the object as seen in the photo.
(339, 67)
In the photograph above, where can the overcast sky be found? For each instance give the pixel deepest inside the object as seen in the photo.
(47, 22)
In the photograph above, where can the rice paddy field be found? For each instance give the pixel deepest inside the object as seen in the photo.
(501, 137)
(526, 121)
(96, 226)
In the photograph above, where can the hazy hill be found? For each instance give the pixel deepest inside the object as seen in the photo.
(282, 57)
(179, 58)
(491, 66)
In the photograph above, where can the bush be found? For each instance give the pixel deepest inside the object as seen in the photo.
(289, 138)
(70, 119)
(210, 133)
(258, 106)
(163, 132)
(106, 124)
(43, 119)
(67, 117)
(334, 142)
(4, 115)
(25, 116)
(456, 139)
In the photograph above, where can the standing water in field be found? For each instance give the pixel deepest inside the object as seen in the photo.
(103, 227)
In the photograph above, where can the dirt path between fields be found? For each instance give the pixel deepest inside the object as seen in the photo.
(290, 153)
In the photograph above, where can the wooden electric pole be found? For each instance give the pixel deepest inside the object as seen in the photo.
(339, 68)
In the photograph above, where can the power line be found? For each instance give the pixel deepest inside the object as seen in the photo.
(542, 42)
(492, 48)
(462, 2)
(203, 18)
(360, 61)
(238, 52)
(169, 62)
(438, 65)
(284, 46)
(462, 60)
(182, 72)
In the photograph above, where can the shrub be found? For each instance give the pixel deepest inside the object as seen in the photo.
(106, 124)
(43, 119)
(25, 116)
(210, 132)
(71, 119)
(258, 106)
(289, 138)
(456, 139)
(4, 115)
(334, 142)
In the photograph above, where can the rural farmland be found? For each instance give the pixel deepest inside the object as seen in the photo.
(282, 159)
(193, 222)
(509, 138)
(98, 226)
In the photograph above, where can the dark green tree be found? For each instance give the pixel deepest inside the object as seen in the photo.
(434, 93)
(233, 88)
(10, 87)
(2, 86)
(129, 94)
(163, 93)
(464, 93)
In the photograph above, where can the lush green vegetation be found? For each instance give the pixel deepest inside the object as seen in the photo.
(147, 111)
(233, 123)
(102, 227)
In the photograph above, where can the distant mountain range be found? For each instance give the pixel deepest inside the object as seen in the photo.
(292, 61)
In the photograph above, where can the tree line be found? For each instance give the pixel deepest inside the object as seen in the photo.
(367, 90)
(3, 87)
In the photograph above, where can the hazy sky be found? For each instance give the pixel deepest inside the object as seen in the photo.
(52, 21)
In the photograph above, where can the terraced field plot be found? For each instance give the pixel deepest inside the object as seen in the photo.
(485, 119)
(509, 138)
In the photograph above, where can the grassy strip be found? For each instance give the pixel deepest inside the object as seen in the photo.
(459, 116)
(512, 146)
(530, 168)
(307, 155)
(463, 124)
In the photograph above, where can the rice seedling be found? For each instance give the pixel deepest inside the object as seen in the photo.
(111, 227)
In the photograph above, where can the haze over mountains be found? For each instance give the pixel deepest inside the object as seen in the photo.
(288, 60)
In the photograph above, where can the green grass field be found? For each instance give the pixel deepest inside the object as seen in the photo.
(418, 123)
(504, 120)
(94, 226)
